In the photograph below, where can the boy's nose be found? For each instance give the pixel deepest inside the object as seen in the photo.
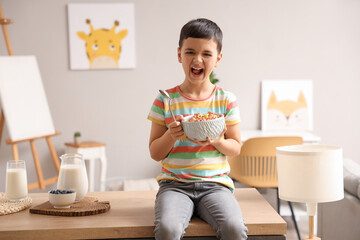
(198, 58)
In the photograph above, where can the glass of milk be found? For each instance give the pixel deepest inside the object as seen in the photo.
(16, 180)
(72, 175)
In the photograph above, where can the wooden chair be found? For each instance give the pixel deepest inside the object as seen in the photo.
(255, 166)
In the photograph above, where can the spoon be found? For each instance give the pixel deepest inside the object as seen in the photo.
(165, 94)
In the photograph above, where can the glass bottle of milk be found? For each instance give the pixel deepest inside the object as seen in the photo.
(72, 175)
(16, 180)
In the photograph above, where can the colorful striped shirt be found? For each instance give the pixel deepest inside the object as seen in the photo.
(188, 161)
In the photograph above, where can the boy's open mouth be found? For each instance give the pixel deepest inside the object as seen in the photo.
(197, 71)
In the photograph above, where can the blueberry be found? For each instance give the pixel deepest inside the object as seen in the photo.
(59, 191)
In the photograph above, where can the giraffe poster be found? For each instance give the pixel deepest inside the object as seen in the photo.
(101, 36)
(287, 105)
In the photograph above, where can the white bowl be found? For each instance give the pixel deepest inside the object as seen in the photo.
(62, 200)
(203, 129)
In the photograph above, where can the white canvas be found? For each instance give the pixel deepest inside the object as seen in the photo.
(287, 105)
(102, 16)
(23, 99)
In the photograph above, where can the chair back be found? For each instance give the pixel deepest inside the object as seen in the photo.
(255, 166)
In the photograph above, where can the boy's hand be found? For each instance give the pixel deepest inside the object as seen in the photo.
(210, 141)
(175, 128)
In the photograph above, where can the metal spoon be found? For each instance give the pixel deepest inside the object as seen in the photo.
(165, 94)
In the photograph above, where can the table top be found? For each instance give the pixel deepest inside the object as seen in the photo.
(85, 144)
(131, 215)
(308, 137)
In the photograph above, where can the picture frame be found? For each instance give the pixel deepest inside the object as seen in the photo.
(287, 105)
(101, 36)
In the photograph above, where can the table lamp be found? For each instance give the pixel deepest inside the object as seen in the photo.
(310, 174)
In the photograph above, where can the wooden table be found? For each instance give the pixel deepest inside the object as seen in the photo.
(131, 216)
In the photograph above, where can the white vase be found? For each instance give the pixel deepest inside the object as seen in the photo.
(77, 140)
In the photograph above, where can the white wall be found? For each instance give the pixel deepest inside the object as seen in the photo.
(278, 39)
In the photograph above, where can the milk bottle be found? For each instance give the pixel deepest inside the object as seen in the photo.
(72, 175)
(16, 180)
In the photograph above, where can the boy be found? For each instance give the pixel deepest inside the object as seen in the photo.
(194, 177)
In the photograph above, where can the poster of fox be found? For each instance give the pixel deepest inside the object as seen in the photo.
(287, 105)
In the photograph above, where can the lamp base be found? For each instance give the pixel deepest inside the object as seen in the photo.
(313, 238)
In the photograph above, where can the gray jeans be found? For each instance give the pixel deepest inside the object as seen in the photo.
(176, 202)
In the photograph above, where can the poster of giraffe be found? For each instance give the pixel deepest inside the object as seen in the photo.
(287, 105)
(101, 36)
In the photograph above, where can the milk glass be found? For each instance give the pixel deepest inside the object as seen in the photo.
(16, 180)
(72, 175)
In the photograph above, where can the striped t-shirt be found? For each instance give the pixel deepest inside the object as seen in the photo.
(188, 161)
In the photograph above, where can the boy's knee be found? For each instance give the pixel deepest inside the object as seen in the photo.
(168, 231)
(234, 229)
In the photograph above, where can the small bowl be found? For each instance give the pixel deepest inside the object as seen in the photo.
(203, 129)
(62, 199)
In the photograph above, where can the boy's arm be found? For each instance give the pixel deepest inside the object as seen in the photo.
(163, 139)
(231, 144)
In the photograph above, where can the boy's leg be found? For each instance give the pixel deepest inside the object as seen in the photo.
(220, 209)
(173, 211)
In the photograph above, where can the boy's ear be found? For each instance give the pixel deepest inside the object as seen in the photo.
(179, 55)
(219, 57)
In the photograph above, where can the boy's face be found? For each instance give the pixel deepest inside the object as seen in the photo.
(199, 57)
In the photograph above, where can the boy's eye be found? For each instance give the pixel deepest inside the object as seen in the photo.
(208, 54)
(189, 52)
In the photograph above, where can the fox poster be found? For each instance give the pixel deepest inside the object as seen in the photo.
(287, 105)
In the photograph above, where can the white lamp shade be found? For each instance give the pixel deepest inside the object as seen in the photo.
(310, 173)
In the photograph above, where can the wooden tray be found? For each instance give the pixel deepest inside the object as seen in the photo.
(87, 206)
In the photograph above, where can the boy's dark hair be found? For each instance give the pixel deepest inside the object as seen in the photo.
(201, 28)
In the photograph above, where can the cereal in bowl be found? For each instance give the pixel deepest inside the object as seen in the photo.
(198, 117)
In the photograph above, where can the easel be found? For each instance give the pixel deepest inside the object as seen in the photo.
(41, 181)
